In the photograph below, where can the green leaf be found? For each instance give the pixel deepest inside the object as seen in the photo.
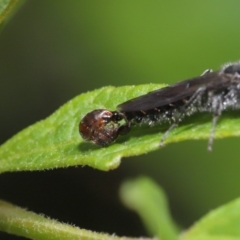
(149, 201)
(55, 142)
(24, 223)
(222, 223)
(5, 7)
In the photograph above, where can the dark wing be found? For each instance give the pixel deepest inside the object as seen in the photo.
(167, 95)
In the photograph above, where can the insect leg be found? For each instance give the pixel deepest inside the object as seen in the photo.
(206, 72)
(217, 106)
(190, 102)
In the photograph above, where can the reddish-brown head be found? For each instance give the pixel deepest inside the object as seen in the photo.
(100, 127)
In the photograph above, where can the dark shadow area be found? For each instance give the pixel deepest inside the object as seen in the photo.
(84, 197)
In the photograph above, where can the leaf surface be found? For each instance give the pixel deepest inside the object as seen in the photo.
(222, 223)
(55, 142)
(149, 201)
(21, 222)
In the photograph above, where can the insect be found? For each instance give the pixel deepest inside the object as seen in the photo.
(212, 92)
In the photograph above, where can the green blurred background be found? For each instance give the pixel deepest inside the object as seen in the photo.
(51, 51)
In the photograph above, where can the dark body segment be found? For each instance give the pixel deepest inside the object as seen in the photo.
(184, 89)
(177, 92)
(171, 104)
